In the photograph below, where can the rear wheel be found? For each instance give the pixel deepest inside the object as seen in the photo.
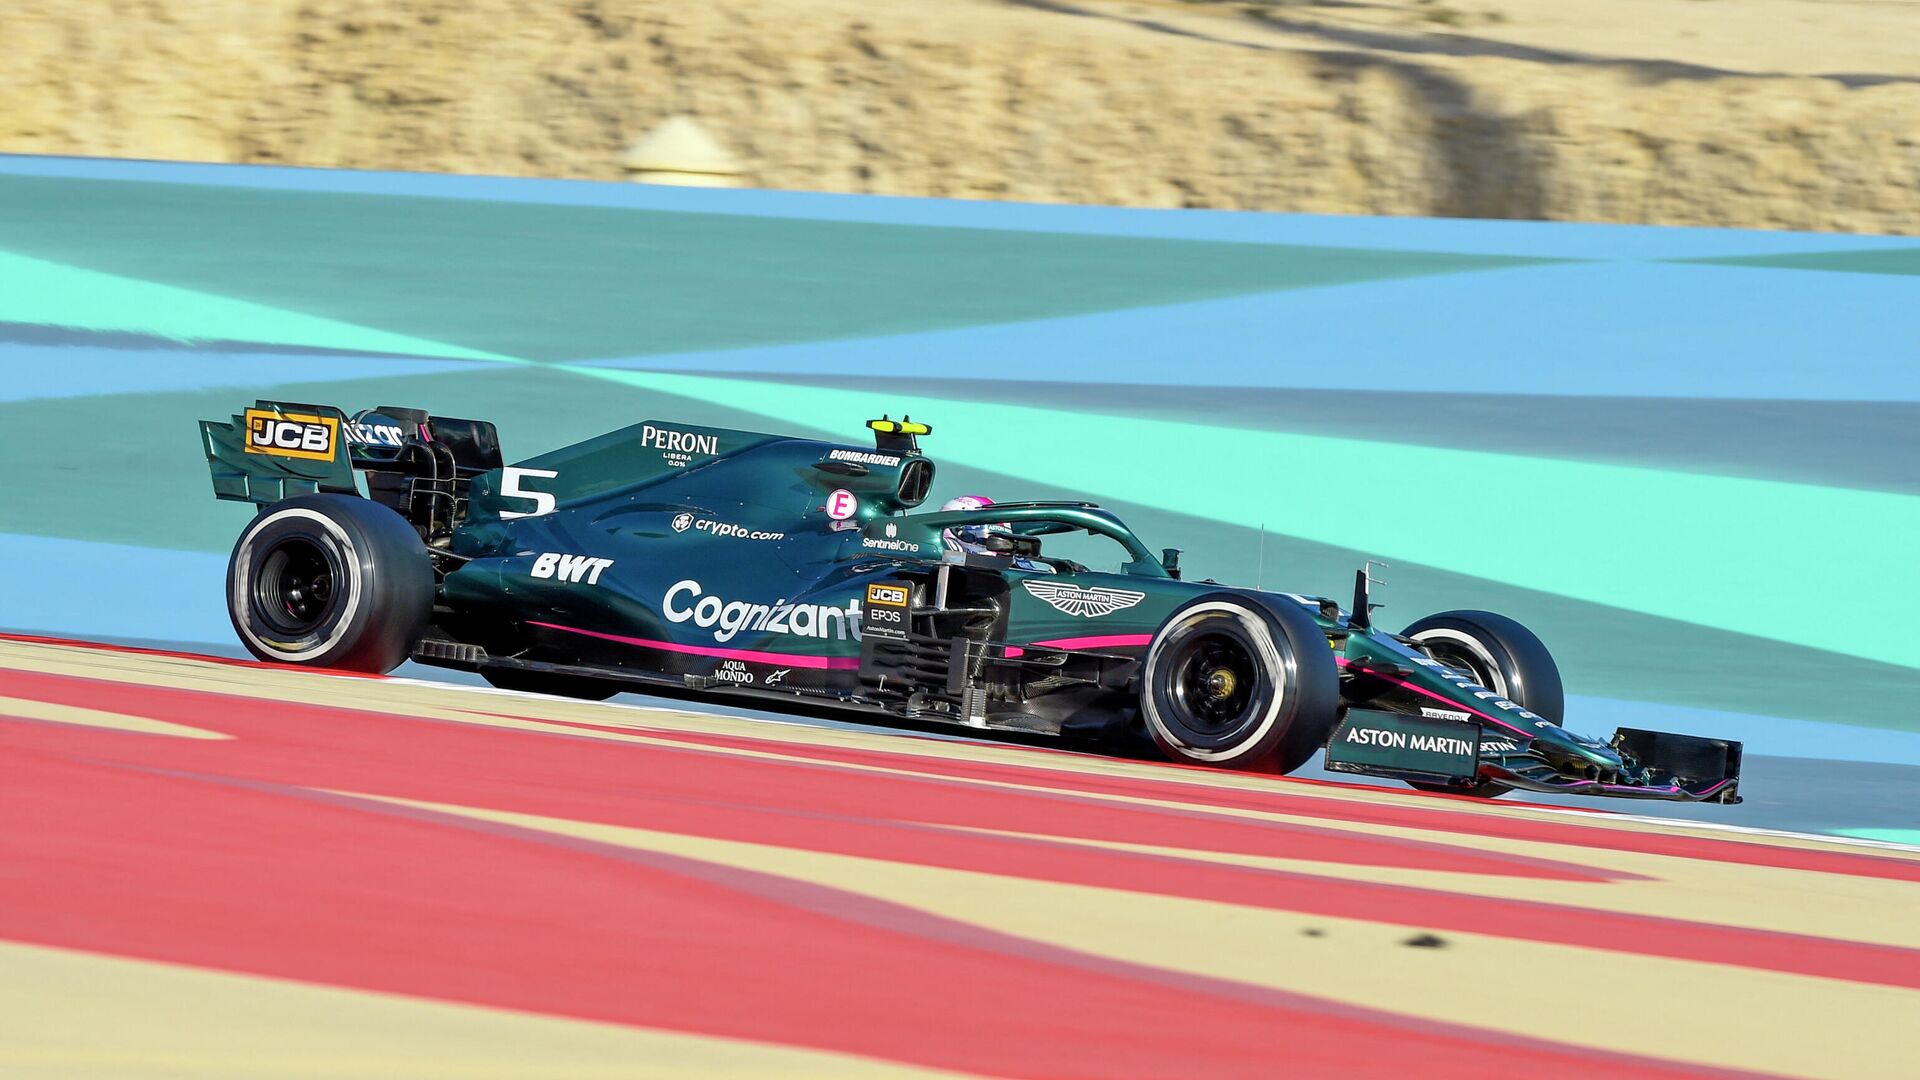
(330, 581)
(1501, 655)
(1239, 681)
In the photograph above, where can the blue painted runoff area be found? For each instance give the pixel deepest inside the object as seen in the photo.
(86, 589)
(1773, 735)
(1639, 329)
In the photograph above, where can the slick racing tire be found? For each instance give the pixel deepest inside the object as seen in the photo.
(330, 581)
(543, 682)
(1239, 681)
(1503, 656)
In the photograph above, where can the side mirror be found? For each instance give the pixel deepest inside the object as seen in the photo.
(1170, 561)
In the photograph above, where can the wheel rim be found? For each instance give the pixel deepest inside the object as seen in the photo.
(1212, 685)
(293, 591)
(1467, 658)
(1458, 654)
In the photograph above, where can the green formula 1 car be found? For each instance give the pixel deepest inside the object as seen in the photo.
(795, 573)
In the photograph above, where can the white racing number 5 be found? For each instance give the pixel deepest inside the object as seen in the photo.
(510, 488)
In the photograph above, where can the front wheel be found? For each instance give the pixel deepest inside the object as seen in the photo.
(1239, 681)
(1501, 655)
(330, 581)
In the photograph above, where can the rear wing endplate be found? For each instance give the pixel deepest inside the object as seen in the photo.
(276, 450)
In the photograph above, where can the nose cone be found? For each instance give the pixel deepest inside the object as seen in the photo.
(1565, 748)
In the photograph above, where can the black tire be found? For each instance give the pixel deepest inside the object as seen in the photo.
(330, 581)
(1238, 680)
(545, 682)
(1505, 657)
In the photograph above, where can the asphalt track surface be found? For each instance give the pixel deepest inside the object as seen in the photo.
(215, 868)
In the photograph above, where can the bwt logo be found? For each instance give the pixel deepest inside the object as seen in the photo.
(298, 435)
(574, 568)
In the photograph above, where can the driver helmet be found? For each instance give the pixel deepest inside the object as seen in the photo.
(973, 537)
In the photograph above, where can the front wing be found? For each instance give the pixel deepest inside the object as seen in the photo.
(1659, 765)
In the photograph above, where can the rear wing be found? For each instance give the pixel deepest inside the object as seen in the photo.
(419, 464)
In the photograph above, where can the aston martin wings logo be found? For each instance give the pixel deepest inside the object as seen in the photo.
(1086, 603)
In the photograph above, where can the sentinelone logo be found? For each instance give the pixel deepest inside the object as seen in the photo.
(727, 618)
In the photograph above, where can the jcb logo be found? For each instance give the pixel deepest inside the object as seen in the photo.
(294, 435)
(574, 568)
(887, 595)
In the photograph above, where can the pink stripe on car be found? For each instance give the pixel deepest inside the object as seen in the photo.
(1108, 641)
(799, 660)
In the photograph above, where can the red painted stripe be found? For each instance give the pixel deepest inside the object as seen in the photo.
(1286, 796)
(267, 881)
(799, 660)
(1312, 894)
(341, 749)
(819, 806)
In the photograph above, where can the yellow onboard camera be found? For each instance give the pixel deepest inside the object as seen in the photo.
(897, 436)
(903, 426)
